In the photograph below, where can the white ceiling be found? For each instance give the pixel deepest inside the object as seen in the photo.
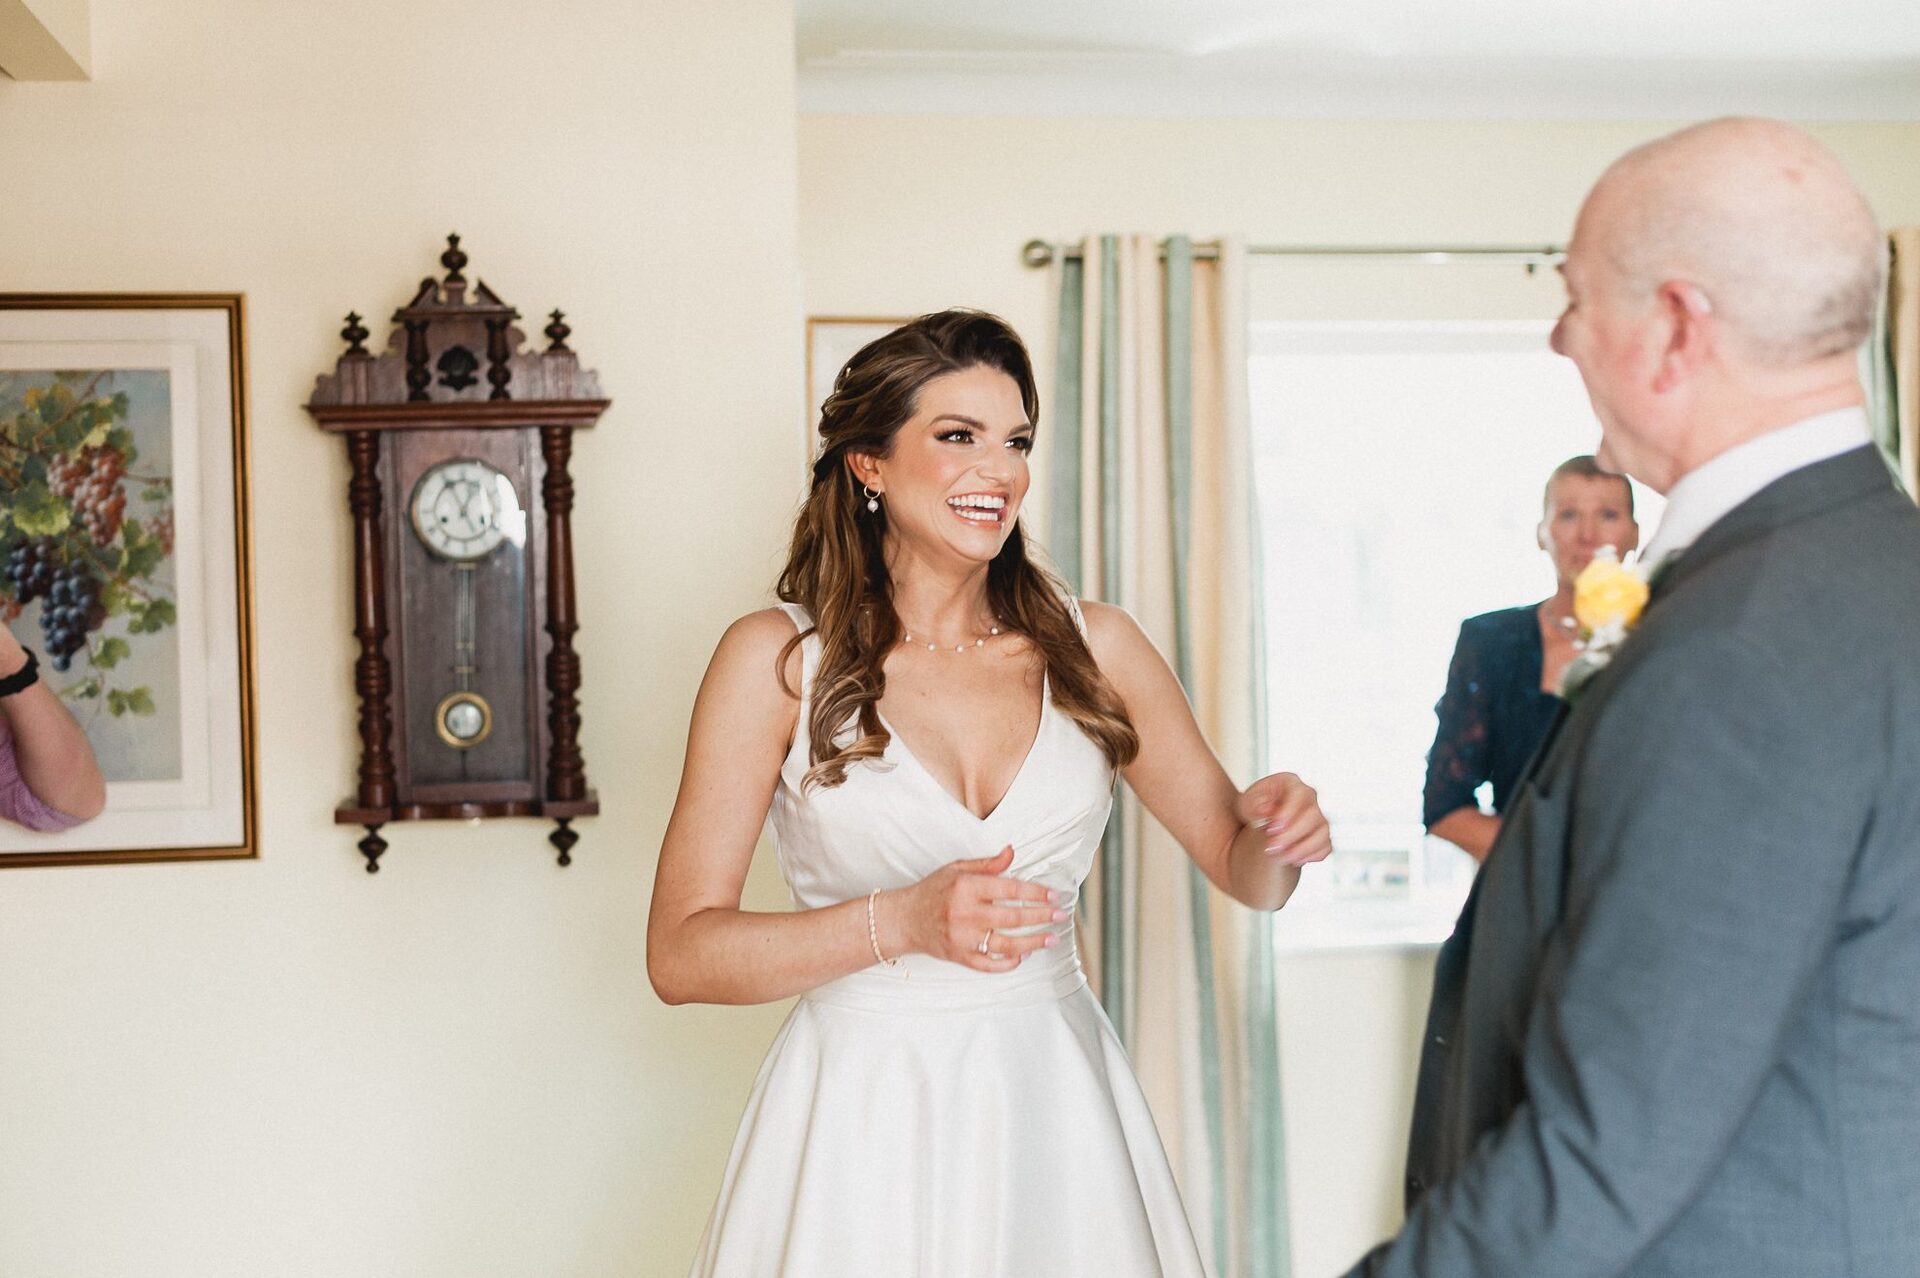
(1837, 59)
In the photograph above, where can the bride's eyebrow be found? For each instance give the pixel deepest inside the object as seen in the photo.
(979, 425)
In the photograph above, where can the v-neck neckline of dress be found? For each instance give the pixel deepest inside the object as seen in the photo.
(1026, 761)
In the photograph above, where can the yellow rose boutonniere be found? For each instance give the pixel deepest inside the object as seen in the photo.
(1607, 594)
(1608, 597)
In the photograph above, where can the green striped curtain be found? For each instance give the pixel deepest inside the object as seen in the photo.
(1143, 445)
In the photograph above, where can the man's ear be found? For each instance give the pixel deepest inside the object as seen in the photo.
(1691, 331)
(1540, 534)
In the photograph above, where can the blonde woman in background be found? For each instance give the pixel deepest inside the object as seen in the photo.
(1503, 684)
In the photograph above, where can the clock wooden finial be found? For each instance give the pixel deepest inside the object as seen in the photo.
(355, 333)
(453, 259)
(461, 499)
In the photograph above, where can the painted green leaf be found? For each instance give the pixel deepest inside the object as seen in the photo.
(143, 556)
(38, 513)
(111, 653)
(69, 433)
(54, 404)
(140, 701)
(152, 616)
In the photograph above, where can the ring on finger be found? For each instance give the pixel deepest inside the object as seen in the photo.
(986, 940)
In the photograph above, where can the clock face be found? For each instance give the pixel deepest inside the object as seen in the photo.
(462, 509)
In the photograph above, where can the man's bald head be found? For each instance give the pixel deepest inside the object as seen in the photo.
(1763, 219)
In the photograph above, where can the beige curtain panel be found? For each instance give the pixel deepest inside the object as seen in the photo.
(1152, 508)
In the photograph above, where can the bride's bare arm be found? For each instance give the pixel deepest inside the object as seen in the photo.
(702, 947)
(1250, 843)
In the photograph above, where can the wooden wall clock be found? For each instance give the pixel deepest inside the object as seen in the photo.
(463, 562)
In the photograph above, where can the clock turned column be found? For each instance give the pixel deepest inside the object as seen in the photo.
(371, 673)
(566, 767)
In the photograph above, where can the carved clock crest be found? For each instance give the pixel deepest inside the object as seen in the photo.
(463, 562)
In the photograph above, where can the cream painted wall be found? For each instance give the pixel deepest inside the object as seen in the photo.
(902, 214)
(454, 1068)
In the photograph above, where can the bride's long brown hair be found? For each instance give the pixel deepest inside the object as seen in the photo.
(837, 567)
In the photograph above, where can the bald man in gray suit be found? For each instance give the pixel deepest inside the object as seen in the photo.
(1676, 1033)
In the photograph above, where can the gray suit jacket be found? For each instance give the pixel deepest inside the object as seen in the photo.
(1676, 1033)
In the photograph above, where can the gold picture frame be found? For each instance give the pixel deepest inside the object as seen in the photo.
(164, 680)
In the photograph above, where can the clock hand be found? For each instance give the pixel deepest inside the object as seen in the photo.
(477, 493)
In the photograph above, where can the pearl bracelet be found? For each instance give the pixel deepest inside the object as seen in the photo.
(873, 933)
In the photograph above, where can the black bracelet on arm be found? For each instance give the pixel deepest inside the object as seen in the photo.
(23, 678)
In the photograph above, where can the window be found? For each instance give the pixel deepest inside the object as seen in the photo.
(1399, 469)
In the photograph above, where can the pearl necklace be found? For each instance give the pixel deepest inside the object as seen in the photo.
(922, 642)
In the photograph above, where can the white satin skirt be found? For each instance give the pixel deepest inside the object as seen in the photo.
(931, 1121)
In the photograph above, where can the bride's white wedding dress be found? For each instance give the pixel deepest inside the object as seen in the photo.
(927, 1119)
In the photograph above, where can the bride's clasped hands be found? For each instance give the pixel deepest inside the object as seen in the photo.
(966, 912)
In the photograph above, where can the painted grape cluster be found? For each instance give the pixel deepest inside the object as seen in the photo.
(84, 531)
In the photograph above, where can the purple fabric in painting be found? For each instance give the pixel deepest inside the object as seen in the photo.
(19, 804)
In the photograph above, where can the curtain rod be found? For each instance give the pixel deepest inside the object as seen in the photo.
(1038, 253)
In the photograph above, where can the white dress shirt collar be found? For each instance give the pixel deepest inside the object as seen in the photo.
(1710, 491)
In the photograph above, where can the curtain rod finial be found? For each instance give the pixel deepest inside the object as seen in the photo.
(1037, 253)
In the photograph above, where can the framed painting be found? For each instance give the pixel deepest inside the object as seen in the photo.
(832, 340)
(123, 479)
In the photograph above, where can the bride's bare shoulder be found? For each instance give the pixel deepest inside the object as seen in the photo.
(1120, 647)
(1109, 626)
(757, 651)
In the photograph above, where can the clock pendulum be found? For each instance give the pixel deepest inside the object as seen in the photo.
(463, 718)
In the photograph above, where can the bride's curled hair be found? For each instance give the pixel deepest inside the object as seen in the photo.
(837, 567)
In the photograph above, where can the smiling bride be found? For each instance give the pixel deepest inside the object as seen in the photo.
(935, 726)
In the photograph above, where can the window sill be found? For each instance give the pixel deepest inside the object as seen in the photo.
(1319, 925)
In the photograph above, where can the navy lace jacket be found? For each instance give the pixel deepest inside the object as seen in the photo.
(1493, 714)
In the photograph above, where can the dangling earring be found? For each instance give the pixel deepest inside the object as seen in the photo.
(873, 499)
